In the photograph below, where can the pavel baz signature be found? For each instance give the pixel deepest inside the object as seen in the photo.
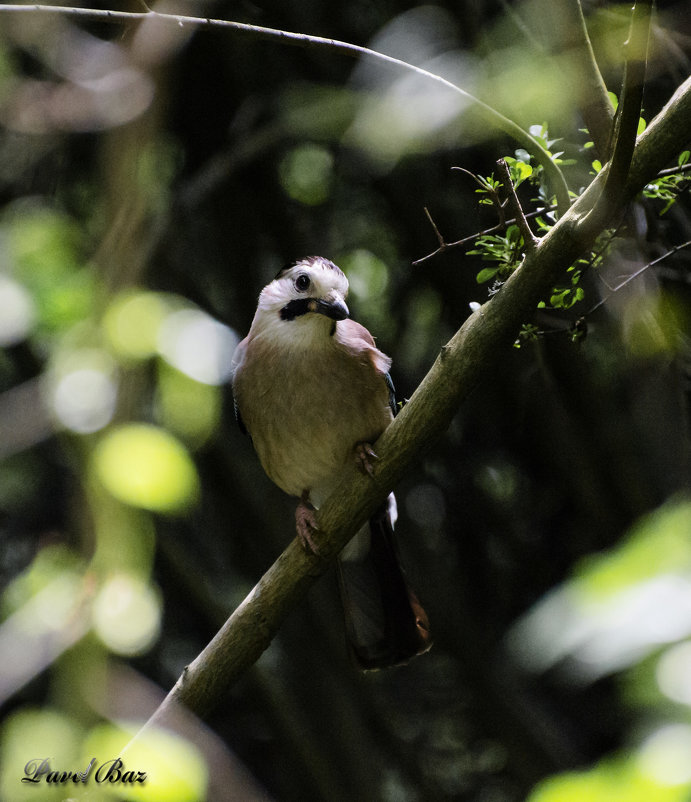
(113, 771)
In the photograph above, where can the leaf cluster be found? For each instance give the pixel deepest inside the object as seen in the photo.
(667, 187)
(503, 253)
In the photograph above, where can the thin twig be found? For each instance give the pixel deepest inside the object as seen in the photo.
(595, 255)
(639, 272)
(684, 168)
(485, 186)
(446, 246)
(440, 238)
(530, 241)
(472, 237)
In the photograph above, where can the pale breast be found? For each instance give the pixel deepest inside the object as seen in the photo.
(306, 411)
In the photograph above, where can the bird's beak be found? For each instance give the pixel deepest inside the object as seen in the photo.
(332, 306)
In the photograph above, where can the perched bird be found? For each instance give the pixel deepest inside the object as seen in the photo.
(314, 392)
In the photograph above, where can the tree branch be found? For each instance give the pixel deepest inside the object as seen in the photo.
(629, 112)
(596, 106)
(490, 115)
(461, 365)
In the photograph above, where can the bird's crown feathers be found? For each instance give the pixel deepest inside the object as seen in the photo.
(311, 277)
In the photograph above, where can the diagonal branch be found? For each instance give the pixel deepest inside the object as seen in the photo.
(490, 115)
(468, 358)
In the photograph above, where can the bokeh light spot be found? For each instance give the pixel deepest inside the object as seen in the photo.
(175, 770)
(145, 466)
(132, 323)
(127, 615)
(17, 312)
(81, 389)
(84, 400)
(306, 174)
(199, 346)
(664, 756)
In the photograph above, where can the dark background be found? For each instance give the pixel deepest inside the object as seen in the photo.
(555, 457)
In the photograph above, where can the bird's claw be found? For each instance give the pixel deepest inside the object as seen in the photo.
(306, 525)
(364, 456)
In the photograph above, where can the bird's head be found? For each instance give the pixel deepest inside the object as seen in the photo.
(311, 286)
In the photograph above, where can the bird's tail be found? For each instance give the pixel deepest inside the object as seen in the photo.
(385, 623)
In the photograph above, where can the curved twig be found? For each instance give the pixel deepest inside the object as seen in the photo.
(491, 115)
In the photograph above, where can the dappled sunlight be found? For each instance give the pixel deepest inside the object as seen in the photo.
(306, 174)
(621, 605)
(622, 608)
(196, 344)
(32, 735)
(146, 467)
(175, 770)
(46, 612)
(127, 614)
(17, 312)
(664, 755)
(158, 767)
(673, 673)
(404, 114)
(82, 390)
(132, 323)
(95, 86)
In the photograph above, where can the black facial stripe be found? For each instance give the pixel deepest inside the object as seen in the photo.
(293, 309)
(301, 306)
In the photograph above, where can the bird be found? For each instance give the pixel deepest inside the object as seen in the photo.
(314, 393)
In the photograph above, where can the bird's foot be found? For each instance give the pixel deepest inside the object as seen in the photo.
(364, 457)
(306, 524)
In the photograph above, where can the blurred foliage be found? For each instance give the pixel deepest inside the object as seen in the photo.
(152, 179)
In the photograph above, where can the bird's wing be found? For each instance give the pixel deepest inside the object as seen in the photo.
(356, 337)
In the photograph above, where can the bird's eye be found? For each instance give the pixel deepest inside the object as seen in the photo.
(302, 282)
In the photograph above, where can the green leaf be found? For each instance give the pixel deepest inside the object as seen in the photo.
(486, 274)
(518, 169)
(557, 299)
